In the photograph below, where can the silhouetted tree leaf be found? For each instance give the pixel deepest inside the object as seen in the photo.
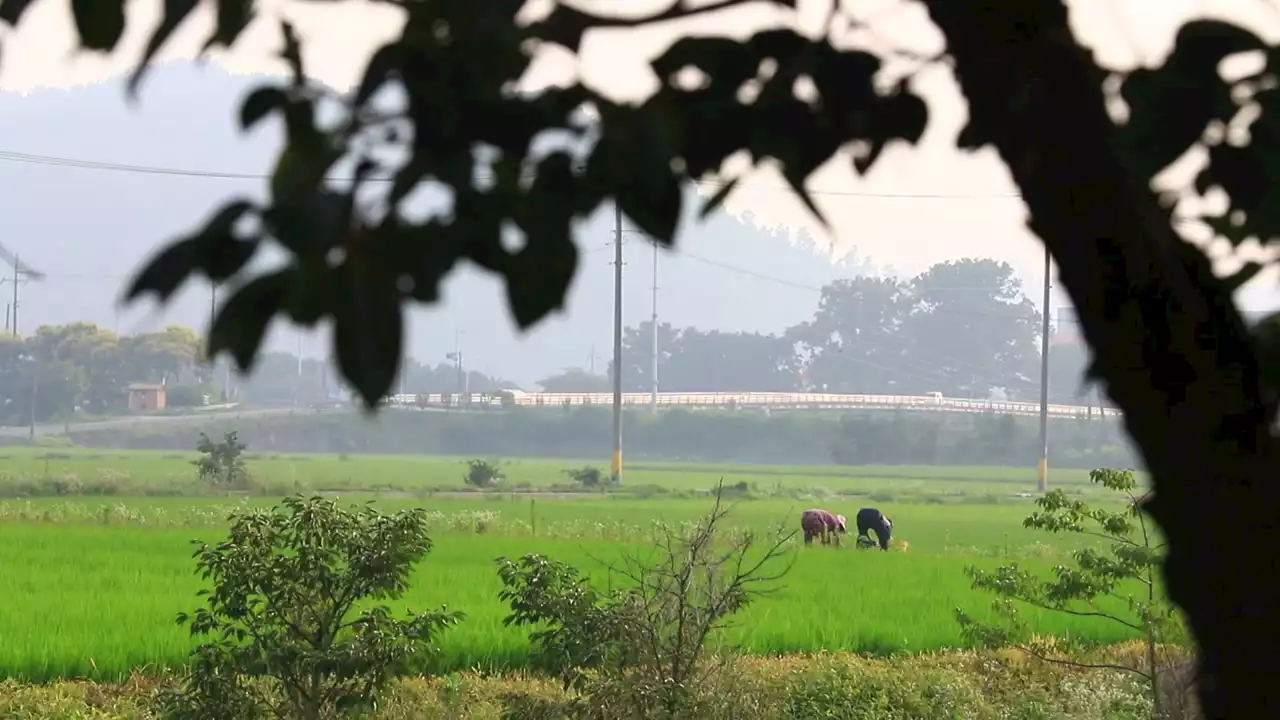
(368, 325)
(174, 13)
(232, 18)
(100, 23)
(713, 120)
(1227, 227)
(312, 225)
(716, 200)
(11, 10)
(538, 276)
(291, 53)
(260, 103)
(1170, 106)
(632, 162)
(242, 321)
(301, 169)
(901, 116)
(1246, 273)
(215, 249)
(383, 66)
(1250, 176)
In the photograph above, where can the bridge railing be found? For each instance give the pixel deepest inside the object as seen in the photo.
(765, 399)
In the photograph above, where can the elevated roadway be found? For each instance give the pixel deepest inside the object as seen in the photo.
(769, 400)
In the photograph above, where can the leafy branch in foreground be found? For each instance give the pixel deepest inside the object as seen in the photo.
(360, 263)
(681, 593)
(641, 650)
(1119, 584)
(282, 633)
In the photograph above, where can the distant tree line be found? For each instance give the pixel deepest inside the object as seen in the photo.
(962, 328)
(81, 367)
(853, 438)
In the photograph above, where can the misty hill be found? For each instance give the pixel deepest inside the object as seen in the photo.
(88, 228)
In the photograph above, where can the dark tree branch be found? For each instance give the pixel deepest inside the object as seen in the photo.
(1173, 351)
(567, 25)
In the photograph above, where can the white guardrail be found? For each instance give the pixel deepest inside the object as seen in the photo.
(771, 400)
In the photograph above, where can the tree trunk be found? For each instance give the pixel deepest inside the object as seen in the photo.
(1168, 343)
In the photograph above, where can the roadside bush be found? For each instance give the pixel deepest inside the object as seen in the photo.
(281, 633)
(580, 626)
(587, 477)
(483, 474)
(222, 464)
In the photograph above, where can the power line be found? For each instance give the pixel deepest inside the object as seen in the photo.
(81, 164)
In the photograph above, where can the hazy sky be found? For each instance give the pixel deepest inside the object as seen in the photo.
(969, 208)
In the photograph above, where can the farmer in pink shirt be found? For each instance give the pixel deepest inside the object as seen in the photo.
(817, 522)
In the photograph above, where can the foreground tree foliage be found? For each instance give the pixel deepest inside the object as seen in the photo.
(288, 629)
(1118, 583)
(645, 648)
(1198, 390)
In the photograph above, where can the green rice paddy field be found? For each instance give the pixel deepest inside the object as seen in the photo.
(154, 471)
(90, 585)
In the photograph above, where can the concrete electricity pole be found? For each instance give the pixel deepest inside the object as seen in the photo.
(1042, 469)
(653, 391)
(617, 343)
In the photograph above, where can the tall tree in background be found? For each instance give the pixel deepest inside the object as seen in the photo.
(1170, 346)
(60, 367)
(637, 348)
(1069, 360)
(854, 344)
(715, 361)
(971, 318)
(576, 380)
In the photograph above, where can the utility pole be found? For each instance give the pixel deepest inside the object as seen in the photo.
(617, 343)
(35, 388)
(297, 384)
(462, 381)
(1042, 469)
(15, 299)
(653, 391)
(208, 343)
(22, 274)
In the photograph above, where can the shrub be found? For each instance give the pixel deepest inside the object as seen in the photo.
(483, 474)
(588, 477)
(221, 464)
(1132, 559)
(643, 648)
(281, 633)
(580, 624)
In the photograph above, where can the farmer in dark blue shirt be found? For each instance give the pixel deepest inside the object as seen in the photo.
(872, 520)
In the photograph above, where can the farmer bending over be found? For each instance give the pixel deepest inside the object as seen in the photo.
(817, 522)
(872, 520)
